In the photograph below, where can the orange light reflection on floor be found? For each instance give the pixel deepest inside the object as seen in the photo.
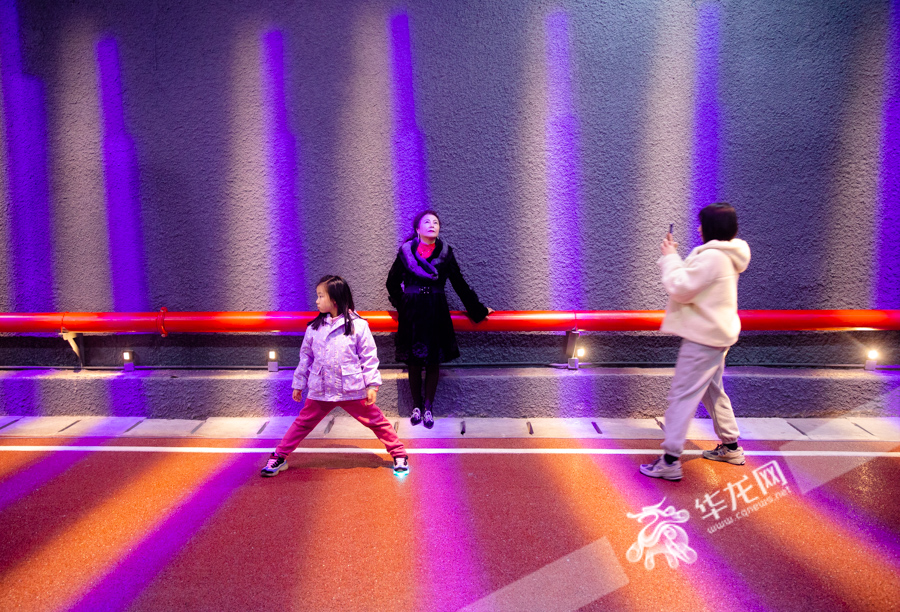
(12, 463)
(858, 572)
(64, 568)
(599, 500)
(448, 560)
(359, 534)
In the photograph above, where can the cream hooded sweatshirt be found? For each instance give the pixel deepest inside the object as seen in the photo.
(702, 292)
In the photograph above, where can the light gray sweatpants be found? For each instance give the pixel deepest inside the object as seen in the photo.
(698, 376)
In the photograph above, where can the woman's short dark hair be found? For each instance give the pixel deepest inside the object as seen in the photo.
(718, 222)
(418, 219)
(339, 292)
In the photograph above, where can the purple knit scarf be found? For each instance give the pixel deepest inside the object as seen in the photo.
(416, 263)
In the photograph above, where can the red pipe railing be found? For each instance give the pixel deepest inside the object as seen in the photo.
(164, 322)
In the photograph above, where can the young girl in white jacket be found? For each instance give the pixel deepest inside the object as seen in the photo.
(702, 309)
(339, 366)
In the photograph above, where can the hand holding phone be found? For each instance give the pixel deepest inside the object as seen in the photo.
(669, 245)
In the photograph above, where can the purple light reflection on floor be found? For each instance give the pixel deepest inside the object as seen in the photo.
(442, 494)
(35, 475)
(724, 578)
(408, 142)
(563, 170)
(640, 491)
(285, 219)
(123, 202)
(705, 163)
(133, 574)
(828, 503)
(30, 226)
(887, 266)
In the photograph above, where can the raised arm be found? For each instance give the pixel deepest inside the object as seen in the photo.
(682, 281)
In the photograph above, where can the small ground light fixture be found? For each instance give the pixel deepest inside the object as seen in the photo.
(273, 361)
(572, 350)
(128, 361)
(871, 359)
(573, 361)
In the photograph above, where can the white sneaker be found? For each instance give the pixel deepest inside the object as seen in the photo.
(274, 465)
(401, 465)
(661, 469)
(722, 453)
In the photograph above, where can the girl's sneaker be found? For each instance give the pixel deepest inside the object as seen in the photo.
(274, 465)
(661, 469)
(416, 416)
(428, 419)
(723, 453)
(401, 465)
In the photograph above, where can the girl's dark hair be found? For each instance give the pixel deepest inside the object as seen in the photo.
(718, 222)
(339, 292)
(418, 219)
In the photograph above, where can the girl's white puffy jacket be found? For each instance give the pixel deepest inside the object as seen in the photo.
(336, 367)
(702, 292)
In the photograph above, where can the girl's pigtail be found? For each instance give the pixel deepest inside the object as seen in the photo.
(348, 307)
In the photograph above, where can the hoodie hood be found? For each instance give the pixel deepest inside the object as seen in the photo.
(737, 250)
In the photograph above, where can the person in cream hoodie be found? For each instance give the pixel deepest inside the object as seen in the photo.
(702, 309)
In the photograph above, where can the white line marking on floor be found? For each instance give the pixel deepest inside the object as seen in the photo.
(439, 451)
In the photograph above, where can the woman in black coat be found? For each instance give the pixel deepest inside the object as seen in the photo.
(425, 337)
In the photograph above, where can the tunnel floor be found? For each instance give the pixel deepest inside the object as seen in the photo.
(115, 523)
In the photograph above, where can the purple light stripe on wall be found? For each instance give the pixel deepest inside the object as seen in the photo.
(20, 394)
(887, 266)
(285, 219)
(705, 163)
(123, 202)
(563, 170)
(30, 261)
(127, 394)
(410, 166)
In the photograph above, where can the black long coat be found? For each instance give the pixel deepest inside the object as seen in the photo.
(416, 289)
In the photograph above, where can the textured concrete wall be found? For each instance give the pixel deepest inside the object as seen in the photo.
(241, 350)
(484, 392)
(219, 155)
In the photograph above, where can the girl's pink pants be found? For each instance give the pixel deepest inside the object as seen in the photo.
(314, 411)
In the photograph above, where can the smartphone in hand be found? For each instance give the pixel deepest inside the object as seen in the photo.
(671, 228)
